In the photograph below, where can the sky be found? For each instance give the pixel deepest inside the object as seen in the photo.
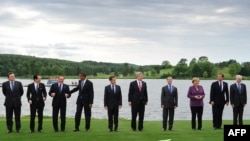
(142, 32)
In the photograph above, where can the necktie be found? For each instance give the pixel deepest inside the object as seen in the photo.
(60, 87)
(12, 85)
(140, 86)
(239, 88)
(37, 87)
(170, 88)
(82, 84)
(220, 86)
(113, 88)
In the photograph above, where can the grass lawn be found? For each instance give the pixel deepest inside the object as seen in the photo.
(99, 132)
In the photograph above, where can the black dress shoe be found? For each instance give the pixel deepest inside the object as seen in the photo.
(9, 131)
(40, 131)
(55, 130)
(110, 130)
(76, 130)
(31, 131)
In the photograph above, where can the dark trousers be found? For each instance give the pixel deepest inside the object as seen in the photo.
(56, 110)
(168, 113)
(196, 111)
(87, 113)
(113, 117)
(137, 109)
(217, 115)
(33, 109)
(9, 115)
(238, 114)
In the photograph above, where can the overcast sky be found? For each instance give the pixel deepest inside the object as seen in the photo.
(141, 32)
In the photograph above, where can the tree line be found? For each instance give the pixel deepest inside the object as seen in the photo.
(26, 66)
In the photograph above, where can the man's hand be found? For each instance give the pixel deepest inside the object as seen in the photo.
(129, 103)
(53, 94)
(66, 95)
(90, 105)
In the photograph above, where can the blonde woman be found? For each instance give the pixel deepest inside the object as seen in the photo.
(196, 95)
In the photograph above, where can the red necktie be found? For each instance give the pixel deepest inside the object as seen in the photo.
(140, 86)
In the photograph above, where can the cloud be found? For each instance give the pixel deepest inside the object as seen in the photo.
(140, 32)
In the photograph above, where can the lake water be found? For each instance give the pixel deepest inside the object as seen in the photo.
(153, 110)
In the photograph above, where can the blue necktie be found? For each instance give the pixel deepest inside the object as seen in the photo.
(12, 85)
(169, 88)
(239, 88)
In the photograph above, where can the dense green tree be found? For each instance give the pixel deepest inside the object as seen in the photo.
(234, 69)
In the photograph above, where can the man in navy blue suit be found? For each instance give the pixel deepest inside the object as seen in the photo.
(13, 91)
(112, 102)
(219, 96)
(60, 92)
(84, 101)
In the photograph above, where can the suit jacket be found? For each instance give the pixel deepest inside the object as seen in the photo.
(220, 97)
(36, 97)
(135, 96)
(85, 95)
(235, 97)
(112, 99)
(12, 97)
(169, 99)
(59, 99)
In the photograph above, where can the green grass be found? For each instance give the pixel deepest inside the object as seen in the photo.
(98, 132)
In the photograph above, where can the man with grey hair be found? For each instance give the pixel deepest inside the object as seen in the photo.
(137, 99)
(238, 100)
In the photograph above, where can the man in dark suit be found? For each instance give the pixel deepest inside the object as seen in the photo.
(36, 95)
(84, 100)
(219, 96)
(13, 91)
(112, 102)
(137, 99)
(60, 92)
(169, 102)
(238, 100)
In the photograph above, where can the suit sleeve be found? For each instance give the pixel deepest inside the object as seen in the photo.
(74, 89)
(91, 92)
(231, 95)
(211, 93)
(44, 92)
(227, 93)
(120, 96)
(176, 98)
(105, 96)
(28, 93)
(68, 91)
(162, 95)
(245, 92)
(130, 92)
(4, 89)
(21, 89)
(51, 89)
(146, 93)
